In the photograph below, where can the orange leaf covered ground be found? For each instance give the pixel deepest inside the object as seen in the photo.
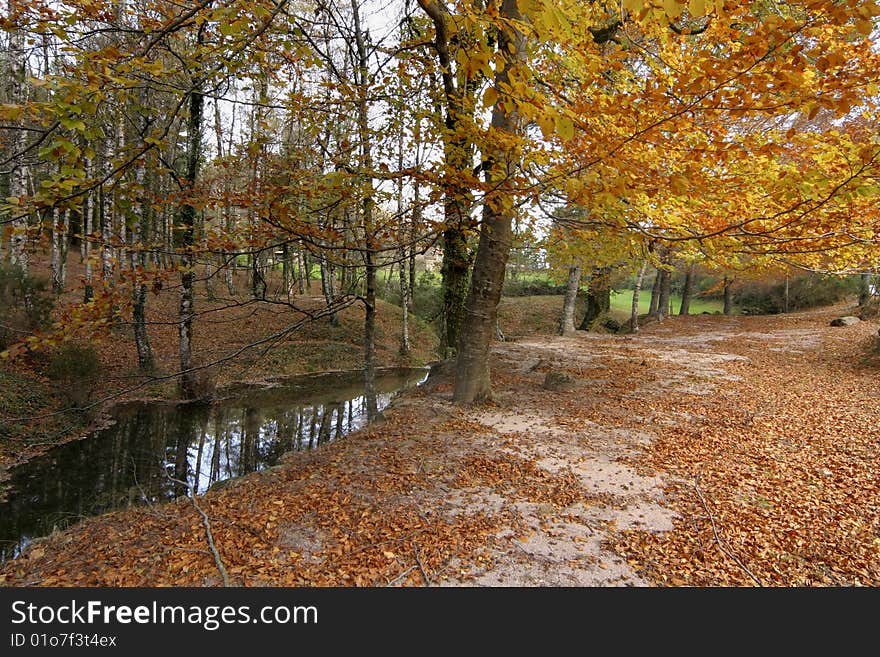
(767, 427)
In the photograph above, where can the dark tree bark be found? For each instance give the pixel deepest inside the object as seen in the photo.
(655, 294)
(186, 229)
(87, 219)
(728, 296)
(598, 297)
(459, 91)
(864, 288)
(786, 296)
(137, 263)
(665, 294)
(328, 286)
(301, 270)
(60, 244)
(454, 270)
(472, 379)
(367, 206)
(687, 290)
(258, 280)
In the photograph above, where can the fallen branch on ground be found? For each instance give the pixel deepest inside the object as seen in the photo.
(428, 581)
(208, 533)
(721, 543)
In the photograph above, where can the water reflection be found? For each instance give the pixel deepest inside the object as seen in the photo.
(156, 452)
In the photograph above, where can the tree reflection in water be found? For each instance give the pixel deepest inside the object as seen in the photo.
(152, 449)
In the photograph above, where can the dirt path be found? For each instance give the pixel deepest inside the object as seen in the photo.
(704, 451)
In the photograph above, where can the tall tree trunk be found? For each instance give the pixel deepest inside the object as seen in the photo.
(187, 220)
(65, 247)
(287, 279)
(728, 296)
(637, 291)
(58, 259)
(864, 288)
(258, 137)
(119, 227)
(228, 269)
(210, 272)
(401, 251)
(225, 257)
(367, 203)
(18, 177)
(107, 212)
(416, 222)
(665, 294)
(88, 214)
(655, 293)
(458, 157)
(328, 286)
(566, 323)
(687, 290)
(137, 262)
(370, 335)
(301, 271)
(404, 302)
(454, 271)
(258, 280)
(472, 378)
(785, 301)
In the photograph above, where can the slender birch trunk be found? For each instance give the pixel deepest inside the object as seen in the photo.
(637, 291)
(566, 323)
(18, 255)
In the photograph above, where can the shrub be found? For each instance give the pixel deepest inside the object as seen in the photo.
(25, 304)
(74, 369)
(427, 296)
(531, 286)
(605, 323)
(808, 291)
(870, 310)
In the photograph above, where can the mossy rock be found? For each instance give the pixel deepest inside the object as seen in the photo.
(559, 381)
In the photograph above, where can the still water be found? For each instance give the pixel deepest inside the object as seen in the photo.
(155, 452)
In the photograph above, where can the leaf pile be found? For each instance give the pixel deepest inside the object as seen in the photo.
(521, 479)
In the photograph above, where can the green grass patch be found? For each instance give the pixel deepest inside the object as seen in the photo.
(621, 302)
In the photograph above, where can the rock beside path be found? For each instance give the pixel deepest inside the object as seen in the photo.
(559, 381)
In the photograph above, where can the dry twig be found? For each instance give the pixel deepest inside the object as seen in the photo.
(209, 535)
(428, 581)
(721, 543)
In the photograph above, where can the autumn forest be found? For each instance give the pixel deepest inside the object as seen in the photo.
(622, 260)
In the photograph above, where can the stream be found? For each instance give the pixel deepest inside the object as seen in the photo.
(154, 452)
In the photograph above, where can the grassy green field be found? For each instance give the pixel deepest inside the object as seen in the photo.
(539, 315)
(622, 302)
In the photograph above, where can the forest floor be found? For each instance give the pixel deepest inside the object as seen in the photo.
(704, 451)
